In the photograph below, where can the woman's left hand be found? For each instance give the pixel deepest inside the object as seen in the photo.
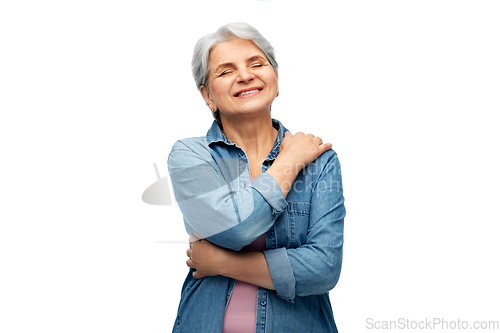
(206, 258)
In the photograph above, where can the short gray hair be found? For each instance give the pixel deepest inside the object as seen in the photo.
(199, 64)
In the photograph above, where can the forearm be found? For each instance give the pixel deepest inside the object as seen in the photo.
(250, 267)
(284, 174)
(208, 259)
(219, 207)
(224, 216)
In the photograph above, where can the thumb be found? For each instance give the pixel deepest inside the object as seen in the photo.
(195, 273)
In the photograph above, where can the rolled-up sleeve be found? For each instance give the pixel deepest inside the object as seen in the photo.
(314, 267)
(216, 204)
(281, 273)
(270, 190)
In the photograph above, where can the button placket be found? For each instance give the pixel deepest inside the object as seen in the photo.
(243, 180)
(261, 311)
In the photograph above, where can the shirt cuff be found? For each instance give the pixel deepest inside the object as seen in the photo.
(270, 190)
(281, 273)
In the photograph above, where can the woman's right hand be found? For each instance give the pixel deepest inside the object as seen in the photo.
(296, 152)
(300, 150)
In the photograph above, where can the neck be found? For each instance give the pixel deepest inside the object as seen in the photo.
(256, 136)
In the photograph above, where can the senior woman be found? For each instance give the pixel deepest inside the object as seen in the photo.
(264, 208)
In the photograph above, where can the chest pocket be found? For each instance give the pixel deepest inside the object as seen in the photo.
(298, 223)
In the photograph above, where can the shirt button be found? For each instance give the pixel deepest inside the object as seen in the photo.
(243, 185)
(263, 302)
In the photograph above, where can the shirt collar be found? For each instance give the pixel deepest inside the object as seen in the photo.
(215, 134)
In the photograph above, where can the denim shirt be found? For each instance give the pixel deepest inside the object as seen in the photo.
(304, 232)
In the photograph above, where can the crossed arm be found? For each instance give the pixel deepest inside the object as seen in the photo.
(210, 260)
(254, 267)
(312, 268)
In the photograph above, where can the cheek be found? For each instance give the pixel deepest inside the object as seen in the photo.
(273, 83)
(219, 90)
(272, 80)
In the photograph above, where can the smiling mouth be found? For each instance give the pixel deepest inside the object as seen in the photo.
(243, 93)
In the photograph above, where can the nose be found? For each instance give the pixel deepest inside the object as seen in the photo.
(245, 75)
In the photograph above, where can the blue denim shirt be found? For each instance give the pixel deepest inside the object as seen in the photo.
(304, 232)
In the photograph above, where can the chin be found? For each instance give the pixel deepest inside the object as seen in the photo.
(256, 111)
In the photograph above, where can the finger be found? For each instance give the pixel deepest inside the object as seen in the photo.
(325, 146)
(318, 140)
(299, 134)
(287, 134)
(310, 136)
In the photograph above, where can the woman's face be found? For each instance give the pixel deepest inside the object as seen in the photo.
(241, 80)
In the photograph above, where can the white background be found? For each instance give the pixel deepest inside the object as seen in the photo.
(93, 93)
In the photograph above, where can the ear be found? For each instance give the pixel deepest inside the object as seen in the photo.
(205, 93)
(277, 80)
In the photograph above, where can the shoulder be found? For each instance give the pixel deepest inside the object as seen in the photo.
(325, 165)
(194, 144)
(195, 148)
(327, 158)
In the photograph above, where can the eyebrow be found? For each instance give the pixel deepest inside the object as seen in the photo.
(255, 57)
(229, 64)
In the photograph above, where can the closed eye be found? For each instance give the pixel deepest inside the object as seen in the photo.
(225, 72)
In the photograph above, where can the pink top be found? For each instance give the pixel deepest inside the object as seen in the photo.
(241, 311)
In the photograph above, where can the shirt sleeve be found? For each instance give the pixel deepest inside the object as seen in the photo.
(314, 267)
(216, 203)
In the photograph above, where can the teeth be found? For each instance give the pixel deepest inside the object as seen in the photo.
(248, 92)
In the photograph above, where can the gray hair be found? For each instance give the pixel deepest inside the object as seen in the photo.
(199, 64)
